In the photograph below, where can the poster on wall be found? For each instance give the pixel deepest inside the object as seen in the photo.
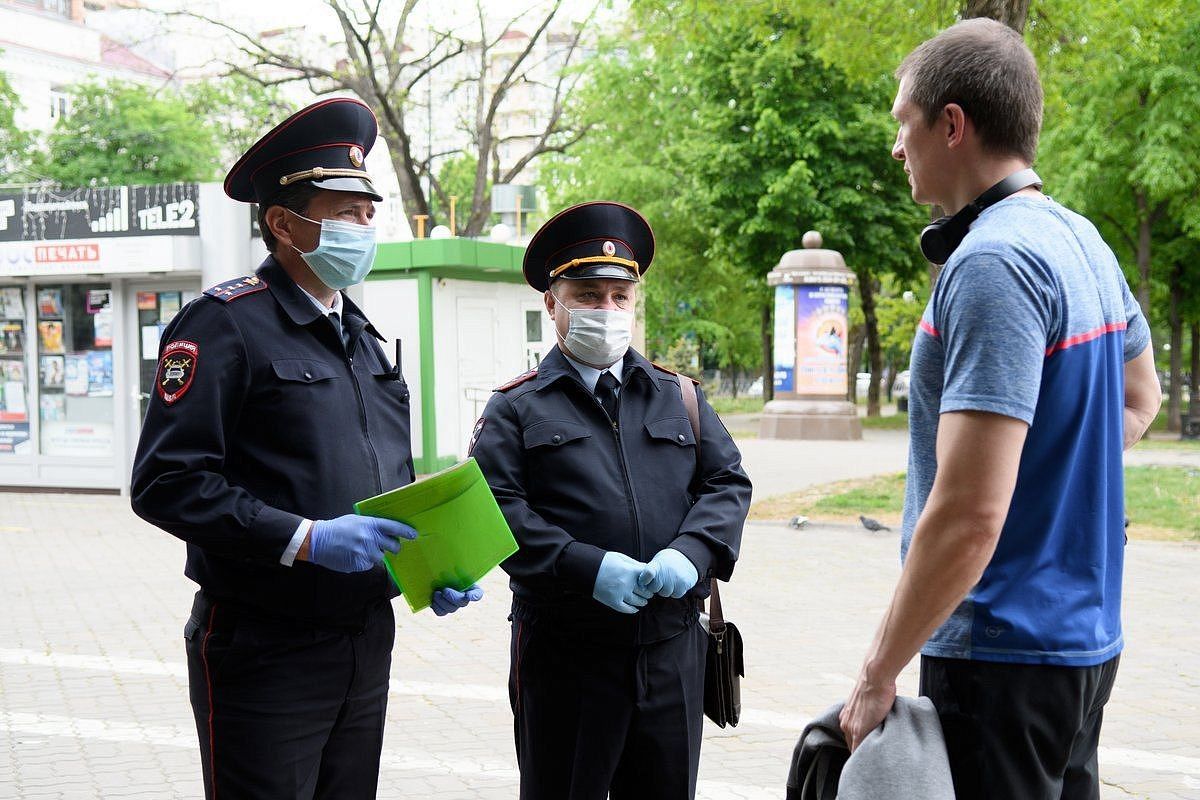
(53, 407)
(98, 299)
(51, 370)
(76, 380)
(102, 325)
(14, 437)
(13, 408)
(12, 337)
(49, 303)
(147, 301)
(50, 336)
(100, 373)
(785, 338)
(13, 307)
(821, 338)
(168, 306)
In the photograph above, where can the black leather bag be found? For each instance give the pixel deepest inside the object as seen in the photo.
(723, 668)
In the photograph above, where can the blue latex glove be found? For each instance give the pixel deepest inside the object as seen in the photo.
(670, 573)
(617, 584)
(352, 543)
(447, 601)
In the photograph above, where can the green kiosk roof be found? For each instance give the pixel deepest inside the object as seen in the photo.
(467, 259)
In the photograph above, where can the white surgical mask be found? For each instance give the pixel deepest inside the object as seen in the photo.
(344, 255)
(598, 337)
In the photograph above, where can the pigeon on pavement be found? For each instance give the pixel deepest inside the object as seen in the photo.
(798, 522)
(872, 524)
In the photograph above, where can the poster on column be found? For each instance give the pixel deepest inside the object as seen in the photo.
(821, 328)
(785, 338)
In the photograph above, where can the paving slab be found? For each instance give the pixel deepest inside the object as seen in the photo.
(93, 688)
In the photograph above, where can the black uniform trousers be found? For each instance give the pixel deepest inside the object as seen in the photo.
(285, 711)
(1027, 731)
(590, 718)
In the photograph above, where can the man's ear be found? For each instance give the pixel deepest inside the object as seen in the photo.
(280, 223)
(956, 124)
(548, 299)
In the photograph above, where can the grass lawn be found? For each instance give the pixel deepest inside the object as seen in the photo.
(894, 422)
(736, 405)
(1168, 443)
(1163, 503)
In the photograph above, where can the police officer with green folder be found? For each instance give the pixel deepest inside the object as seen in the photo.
(623, 516)
(276, 410)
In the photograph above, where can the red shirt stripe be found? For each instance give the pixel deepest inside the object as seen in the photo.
(1095, 333)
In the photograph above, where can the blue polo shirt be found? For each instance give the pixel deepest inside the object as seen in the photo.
(1032, 318)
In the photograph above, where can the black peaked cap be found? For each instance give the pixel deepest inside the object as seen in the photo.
(600, 239)
(324, 144)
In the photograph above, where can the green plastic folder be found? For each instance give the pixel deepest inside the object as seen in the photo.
(461, 534)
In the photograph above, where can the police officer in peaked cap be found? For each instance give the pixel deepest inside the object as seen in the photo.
(276, 410)
(623, 515)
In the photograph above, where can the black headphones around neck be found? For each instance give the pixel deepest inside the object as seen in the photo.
(943, 235)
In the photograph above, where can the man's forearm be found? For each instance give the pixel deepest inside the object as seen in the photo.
(949, 551)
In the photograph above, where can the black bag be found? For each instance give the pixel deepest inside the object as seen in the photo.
(723, 667)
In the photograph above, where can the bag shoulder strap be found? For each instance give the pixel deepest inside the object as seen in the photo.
(687, 390)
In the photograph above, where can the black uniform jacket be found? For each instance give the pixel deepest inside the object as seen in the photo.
(280, 422)
(573, 486)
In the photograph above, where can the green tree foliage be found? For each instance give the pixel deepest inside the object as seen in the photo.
(126, 134)
(14, 143)
(1124, 152)
(237, 110)
(727, 129)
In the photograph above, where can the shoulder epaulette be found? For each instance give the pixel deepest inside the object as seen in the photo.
(239, 287)
(517, 381)
(661, 368)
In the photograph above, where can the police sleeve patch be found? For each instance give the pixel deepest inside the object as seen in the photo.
(176, 370)
(475, 435)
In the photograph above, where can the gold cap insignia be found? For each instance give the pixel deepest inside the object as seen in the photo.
(609, 249)
(356, 156)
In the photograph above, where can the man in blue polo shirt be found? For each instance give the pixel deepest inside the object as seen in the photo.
(1031, 372)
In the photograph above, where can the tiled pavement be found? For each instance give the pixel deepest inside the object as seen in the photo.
(93, 694)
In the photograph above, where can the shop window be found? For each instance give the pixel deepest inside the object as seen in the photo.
(14, 386)
(75, 369)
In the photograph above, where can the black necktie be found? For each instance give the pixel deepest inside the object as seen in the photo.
(606, 393)
(336, 319)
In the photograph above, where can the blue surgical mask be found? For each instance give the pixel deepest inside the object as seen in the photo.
(344, 254)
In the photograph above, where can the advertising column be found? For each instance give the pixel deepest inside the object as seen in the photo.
(812, 298)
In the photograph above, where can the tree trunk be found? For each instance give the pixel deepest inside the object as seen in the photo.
(1175, 395)
(866, 290)
(411, 196)
(1143, 251)
(768, 353)
(1012, 13)
(855, 339)
(1194, 386)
